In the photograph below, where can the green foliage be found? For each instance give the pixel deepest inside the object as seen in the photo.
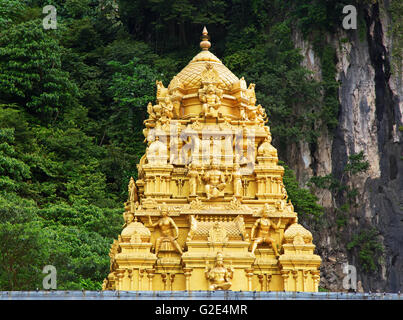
(315, 19)
(395, 31)
(12, 170)
(356, 164)
(21, 243)
(339, 188)
(369, 249)
(283, 87)
(10, 12)
(305, 203)
(31, 72)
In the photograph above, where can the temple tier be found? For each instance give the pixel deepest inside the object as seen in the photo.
(209, 210)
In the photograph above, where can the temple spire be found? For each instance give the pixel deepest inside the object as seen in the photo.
(205, 43)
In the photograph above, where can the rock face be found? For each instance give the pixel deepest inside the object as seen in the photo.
(370, 114)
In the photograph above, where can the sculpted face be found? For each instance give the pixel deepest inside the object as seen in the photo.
(210, 89)
(130, 218)
(266, 211)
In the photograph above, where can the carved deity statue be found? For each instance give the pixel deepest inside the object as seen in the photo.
(157, 152)
(167, 107)
(128, 217)
(194, 178)
(219, 276)
(194, 149)
(169, 230)
(266, 149)
(210, 96)
(236, 178)
(215, 181)
(133, 196)
(159, 115)
(263, 226)
(161, 90)
(250, 93)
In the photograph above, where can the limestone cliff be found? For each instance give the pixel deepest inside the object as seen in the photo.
(370, 115)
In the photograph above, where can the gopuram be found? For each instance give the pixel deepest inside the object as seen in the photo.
(209, 210)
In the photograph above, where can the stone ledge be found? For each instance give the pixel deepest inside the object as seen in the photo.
(192, 295)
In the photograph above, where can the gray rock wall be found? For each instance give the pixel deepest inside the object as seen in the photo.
(371, 111)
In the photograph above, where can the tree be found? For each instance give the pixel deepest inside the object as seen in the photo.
(31, 73)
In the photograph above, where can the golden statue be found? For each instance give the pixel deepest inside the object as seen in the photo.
(219, 276)
(236, 177)
(169, 230)
(210, 96)
(157, 152)
(210, 164)
(263, 226)
(215, 181)
(194, 178)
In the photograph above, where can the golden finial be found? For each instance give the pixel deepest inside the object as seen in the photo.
(205, 43)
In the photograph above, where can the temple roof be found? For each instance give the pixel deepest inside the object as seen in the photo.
(190, 76)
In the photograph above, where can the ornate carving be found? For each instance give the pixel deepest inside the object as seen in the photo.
(236, 178)
(215, 181)
(161, 90)
(219, 276)
(234, 204)
(263, 226)
(239, 221)
(210, 75)
(196, 204)
(157, 152)
(266, 149)
(193, 227)
(210, 96)
(169, 230)
(194, 178)
(218, 114)
(217, 233)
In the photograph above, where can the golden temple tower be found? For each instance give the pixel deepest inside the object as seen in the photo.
(209, 210)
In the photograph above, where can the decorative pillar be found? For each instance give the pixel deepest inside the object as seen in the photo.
(171, 282)
(158, 183)
(245, 187)
(119, 276)
(141, 275)
(285, 275)
(260, 186)
(268, 279)
(260, 276)
(131, 279)
(249, 274)
(315, 277)
(180, 183)
(150, 275)
(187, 273)
(305, 274)
(295, 277)
(164, 280)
